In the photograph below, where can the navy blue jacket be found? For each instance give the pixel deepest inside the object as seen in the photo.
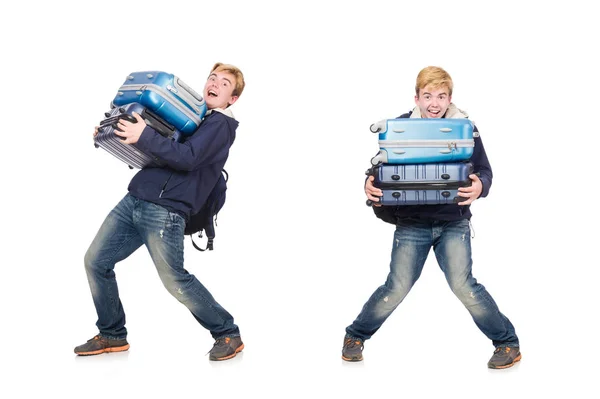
(392, 214)
(192, 167)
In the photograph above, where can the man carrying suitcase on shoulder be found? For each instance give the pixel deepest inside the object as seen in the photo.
(154, 214)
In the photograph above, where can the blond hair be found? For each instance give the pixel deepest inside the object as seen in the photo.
(235, 71)
(434, 77)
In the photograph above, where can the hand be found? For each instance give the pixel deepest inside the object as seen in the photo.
(471, 193)
(96, 130)
(373, 193)
(131, 132)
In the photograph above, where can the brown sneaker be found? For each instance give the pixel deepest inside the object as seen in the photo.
(352, 349)
(504, 357)
(100, 344)
(226, 348)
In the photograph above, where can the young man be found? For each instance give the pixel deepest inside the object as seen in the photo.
(154, 214)
(443, 227)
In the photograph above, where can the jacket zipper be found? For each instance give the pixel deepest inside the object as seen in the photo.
(164, 186)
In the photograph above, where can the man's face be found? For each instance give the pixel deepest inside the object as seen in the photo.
(433, 103)
(218, 90)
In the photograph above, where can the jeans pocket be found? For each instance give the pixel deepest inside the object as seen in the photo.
(174, 221)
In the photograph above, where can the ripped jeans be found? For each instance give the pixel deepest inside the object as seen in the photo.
(130, 224)
(451, 241)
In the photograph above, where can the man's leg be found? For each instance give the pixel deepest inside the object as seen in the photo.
(412, 242)
(452, 246)
(116, 240)
(163, 235)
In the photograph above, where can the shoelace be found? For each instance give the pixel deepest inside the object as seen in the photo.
(350, 343)
(95, 338)
(505, 349)
(220, 342)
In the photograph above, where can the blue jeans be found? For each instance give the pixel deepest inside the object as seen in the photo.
(451, 243)
(130, 224)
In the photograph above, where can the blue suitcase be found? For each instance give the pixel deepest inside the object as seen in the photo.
(129, 153)
(167, 96)
(423, 184)
(415, 141)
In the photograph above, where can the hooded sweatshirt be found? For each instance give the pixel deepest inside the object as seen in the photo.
(192, 167)
(481, 165)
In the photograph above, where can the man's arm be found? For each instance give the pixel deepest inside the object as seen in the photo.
(208, 144)
(482, 180)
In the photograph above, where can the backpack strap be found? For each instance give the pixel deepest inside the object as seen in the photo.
(210, 235)
(209, 243)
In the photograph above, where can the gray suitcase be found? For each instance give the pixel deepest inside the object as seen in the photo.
(422, 184)
(129, 153)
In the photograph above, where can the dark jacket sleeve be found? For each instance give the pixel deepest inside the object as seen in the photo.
(207, 145)
(482, 165)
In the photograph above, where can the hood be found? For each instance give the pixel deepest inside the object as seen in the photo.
(225, 111)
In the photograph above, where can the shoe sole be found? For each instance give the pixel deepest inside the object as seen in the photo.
(237, 350)
(518, 358)
(352, 359)
(105, 350)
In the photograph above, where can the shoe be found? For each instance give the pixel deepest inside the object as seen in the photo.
(226, 348)
(504, 357)
(100, 344)
(352, 350)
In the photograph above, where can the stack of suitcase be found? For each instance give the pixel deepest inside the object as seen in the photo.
(422, 161)
(165, 103)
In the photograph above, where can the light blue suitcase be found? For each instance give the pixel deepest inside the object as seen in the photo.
(416, 140)
(422, 184)
(167, 96)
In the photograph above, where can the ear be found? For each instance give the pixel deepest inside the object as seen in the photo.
(232, 100)
(416, 99)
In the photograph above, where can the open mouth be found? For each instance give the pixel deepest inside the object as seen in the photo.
(212, 93)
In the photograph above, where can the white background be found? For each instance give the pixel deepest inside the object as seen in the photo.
(297, 252)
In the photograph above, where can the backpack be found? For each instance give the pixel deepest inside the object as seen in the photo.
(206, 218)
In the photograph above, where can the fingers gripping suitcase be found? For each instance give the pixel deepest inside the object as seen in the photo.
(167, 96)
(423, 184)
(129, 153)
(415, 141)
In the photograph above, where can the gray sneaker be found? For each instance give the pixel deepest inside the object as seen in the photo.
(504, 357)
(100, 344)
(226, 348)
(352, 350)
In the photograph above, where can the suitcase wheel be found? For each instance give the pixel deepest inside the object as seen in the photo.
(374, 129)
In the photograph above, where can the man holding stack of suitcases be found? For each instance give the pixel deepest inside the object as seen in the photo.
(426, 193)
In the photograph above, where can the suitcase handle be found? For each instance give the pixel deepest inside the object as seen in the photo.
(194, 100)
